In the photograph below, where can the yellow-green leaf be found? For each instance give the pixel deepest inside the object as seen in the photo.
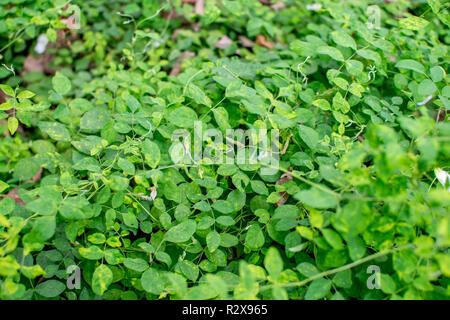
(101, 279)
(13, 124)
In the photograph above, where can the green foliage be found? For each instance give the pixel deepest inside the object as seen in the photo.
(88, 175)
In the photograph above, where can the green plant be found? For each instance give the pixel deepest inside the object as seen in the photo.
(362, 116)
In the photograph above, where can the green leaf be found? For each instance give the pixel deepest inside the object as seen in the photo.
(426, 87)
(273, 263)
(356, 247)
(130, 219)
(221, 117)
(318, 289)
(343, 279)
(189, 269)
(435, 5)
(322, 104)
(3, 186)
(223, 206)
(213, 240)
(13, 124)
(152, 281)
(55, 130)
(6, 106)
(72, 208)
(32, 271)
(164, 258)
(387, 284)
(26, 169)
(316, 218)
(25, 94)
(411, 65)
(51, 34)
(307, 269)
(94, 120)
(254, 239)
(7, 205)
(44, 228)
(126, 166)
(309, 136)
(8, 266)
(227, 240)
(137, 264)
(317, 198)
(91, 253)
(97, 238)
(413, 23)
(404, 262)
(343, 39)
(259, 187)
(370, 55)
(437, 73)
(225, 221)
(151, 153)
(114, 256)
(332, 52)
(133, 104)
(50, 288)
(61, 84)
(183, 117)
(333, 238)
(181, 232)
(7, 90)
(101, 279)
(255, 106)
(198, 95)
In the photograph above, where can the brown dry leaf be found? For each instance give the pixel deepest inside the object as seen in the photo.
(283, 199)
(69, 21)
(440, 115)
(61, 39)
(36, 177)
(199, 7)
(246, 42)
(196, 26)
(33, 64)
(285, 177)
(261, 40)
(175, 33)
(265, 2)
(177, 66)
(286, 145)
(42, 62)
(13, 194)
(278, 6)
(223, 43)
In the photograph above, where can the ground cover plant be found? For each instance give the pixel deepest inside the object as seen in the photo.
(95, 200)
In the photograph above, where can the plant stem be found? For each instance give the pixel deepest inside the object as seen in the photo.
(342, 268)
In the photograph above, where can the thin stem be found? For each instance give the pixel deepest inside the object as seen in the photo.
(342, 268)
(313, 184)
